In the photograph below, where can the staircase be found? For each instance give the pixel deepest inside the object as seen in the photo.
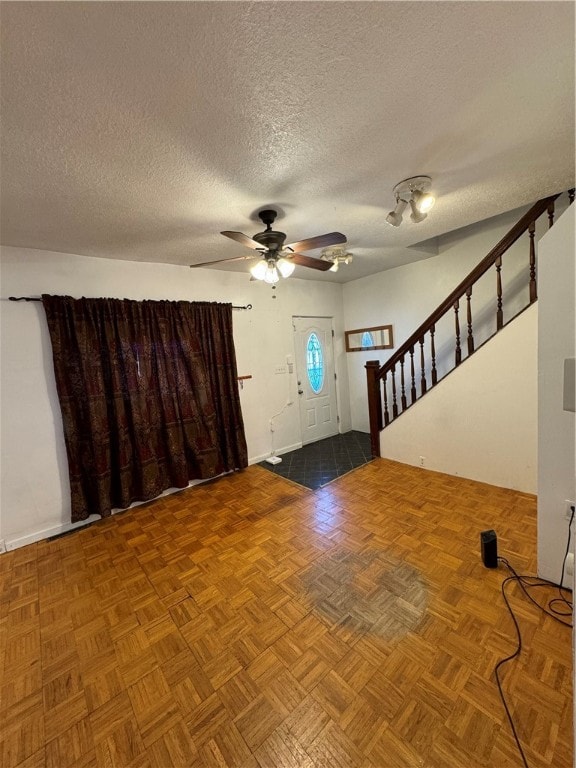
(423, 360)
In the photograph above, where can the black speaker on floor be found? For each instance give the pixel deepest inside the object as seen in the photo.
(489, 548)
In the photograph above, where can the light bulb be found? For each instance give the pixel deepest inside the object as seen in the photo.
(334, 267)
(271, 275)
(259, 269)
(416, 215)
(423, 200)
(285, 267)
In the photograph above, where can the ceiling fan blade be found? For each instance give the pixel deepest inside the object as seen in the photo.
(222, 261)
(308, 261)
(244, 240)
(321, 241)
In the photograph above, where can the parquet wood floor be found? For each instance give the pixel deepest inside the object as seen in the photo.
(250, 622)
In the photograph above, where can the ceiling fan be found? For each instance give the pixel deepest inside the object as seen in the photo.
(276, 258)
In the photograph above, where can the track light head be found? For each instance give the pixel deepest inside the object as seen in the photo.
(423, 201)
(417, 216)
(394, 218)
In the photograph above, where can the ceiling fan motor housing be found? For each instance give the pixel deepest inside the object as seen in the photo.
(269, 238)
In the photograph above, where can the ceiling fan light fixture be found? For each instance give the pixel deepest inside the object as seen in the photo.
(285, 267)
(334, 267)
(271, 275)
(259, 269)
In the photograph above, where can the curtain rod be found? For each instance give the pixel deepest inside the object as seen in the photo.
(37, 298)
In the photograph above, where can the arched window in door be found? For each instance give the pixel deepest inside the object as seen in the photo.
(315, 363)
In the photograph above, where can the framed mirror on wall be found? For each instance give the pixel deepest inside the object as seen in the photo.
(365, 339)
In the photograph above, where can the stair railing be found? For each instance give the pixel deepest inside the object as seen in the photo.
(412, 371)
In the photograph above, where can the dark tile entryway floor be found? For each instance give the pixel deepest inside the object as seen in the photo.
(319, 463)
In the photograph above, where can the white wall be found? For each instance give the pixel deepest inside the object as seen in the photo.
(556, 427)
(34, 496)
(480, 422)
(405, 296)
(36, 502)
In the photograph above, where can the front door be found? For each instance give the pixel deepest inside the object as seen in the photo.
(316, 379)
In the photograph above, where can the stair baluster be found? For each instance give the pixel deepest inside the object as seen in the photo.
(386, 413)
(422, 368)
(533, 291)
(499, 312)
(402, 388)
(433, 356)
(458, 351)
(469, 319)
(413, 394)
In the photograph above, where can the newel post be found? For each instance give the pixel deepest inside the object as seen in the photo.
(374, 405)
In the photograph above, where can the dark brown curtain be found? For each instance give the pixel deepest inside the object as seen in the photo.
(149, 396)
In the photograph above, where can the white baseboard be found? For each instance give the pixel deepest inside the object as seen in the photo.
(2, 546)
(279, 452)
(46, 533)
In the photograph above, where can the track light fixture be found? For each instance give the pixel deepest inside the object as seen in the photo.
(337, 254)
(415, 192)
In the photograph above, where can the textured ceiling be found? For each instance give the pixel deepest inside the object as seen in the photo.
(138, 131)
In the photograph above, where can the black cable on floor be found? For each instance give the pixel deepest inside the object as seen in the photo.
(529, 582)
(507, 659)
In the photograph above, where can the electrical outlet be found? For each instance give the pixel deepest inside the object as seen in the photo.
(280, 369)
(422, 461)
(568, 506)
